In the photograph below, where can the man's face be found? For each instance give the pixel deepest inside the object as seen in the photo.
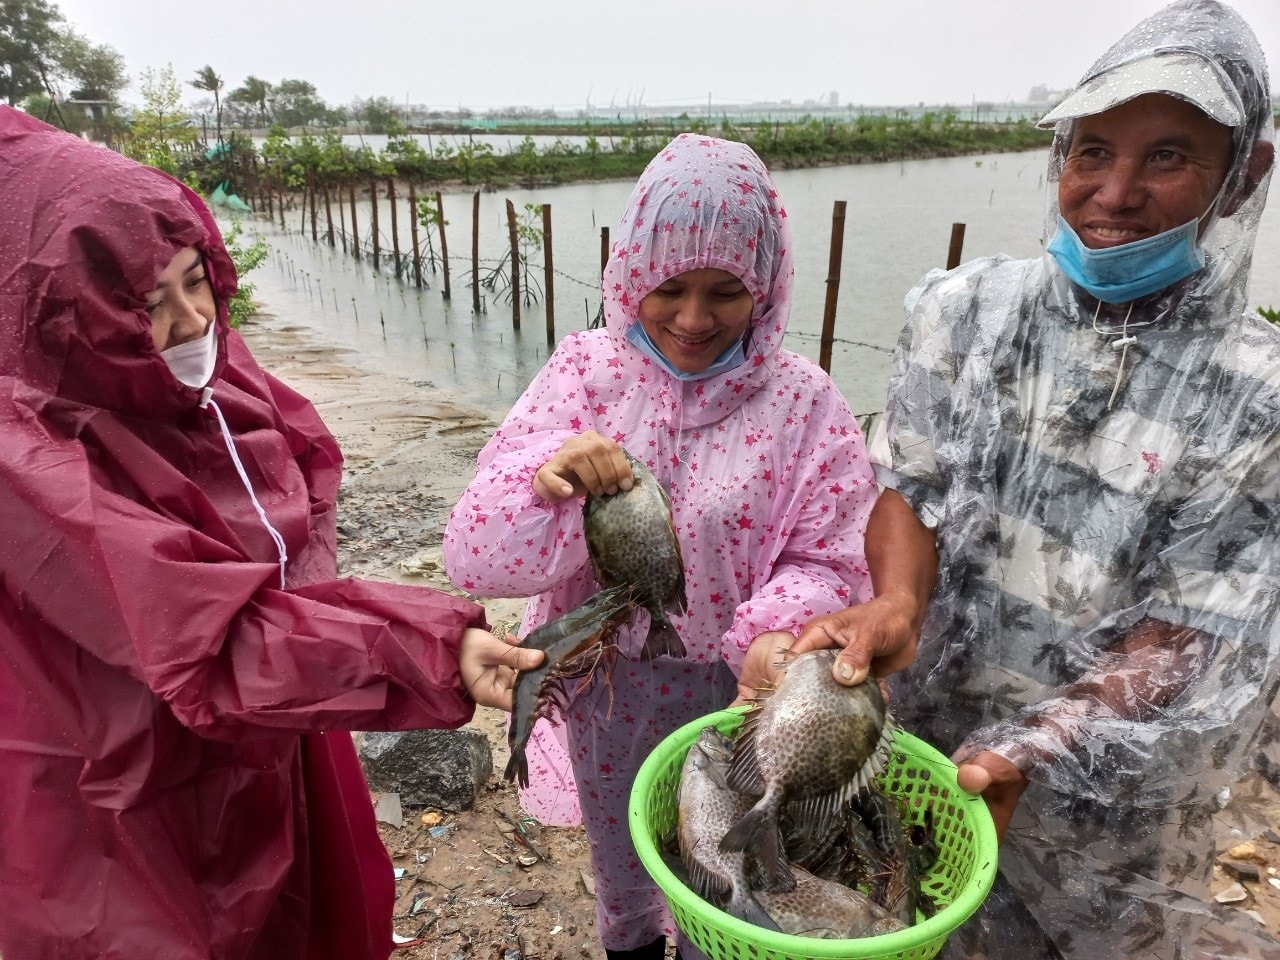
(1139, 169)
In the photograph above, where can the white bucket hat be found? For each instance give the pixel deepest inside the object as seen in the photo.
(1183, 75)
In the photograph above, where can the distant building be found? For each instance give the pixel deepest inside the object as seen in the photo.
(94, 111)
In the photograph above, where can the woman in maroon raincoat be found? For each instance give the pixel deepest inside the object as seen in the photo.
(174, 642)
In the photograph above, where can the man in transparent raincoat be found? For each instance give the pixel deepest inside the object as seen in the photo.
(1091, 439)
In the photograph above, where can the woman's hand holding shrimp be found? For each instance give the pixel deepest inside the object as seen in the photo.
(585, 463)
(489, 665)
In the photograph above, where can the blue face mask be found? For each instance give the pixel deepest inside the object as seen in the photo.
(1132, 270)
(735, 355)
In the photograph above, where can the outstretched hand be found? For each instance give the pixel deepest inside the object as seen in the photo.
(586, 463)
(489, 666)
(760, 665)
(999, 783)
(878, 636)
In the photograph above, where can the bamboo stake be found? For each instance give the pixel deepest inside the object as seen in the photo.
(373, 216)
(549, 274)
(413, 235)
(833, 284)
(328, 212)
(475, 251)
(264, 188)
(444, 245)
(355, 229)
(342, 219)
(957, 244)
(515, 264)
(395, 232)
(311, 189)
(280, 198)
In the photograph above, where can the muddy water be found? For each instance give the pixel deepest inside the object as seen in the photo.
(898, 227)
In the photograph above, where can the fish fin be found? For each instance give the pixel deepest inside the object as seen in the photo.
(743, 905)
(744, 772)
(709, 886)
(757, 835)
(662, 640)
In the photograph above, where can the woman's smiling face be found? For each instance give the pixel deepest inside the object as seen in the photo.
(695, 316)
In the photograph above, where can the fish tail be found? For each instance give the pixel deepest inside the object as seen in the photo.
(662, 640)
(758, 833)
(743, 905)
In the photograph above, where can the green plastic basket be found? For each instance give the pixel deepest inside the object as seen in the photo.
(916, 773)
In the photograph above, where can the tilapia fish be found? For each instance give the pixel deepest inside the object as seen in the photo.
(708, 807)
(812, 743)
(576, 645)
(821, 908)
(632, 540)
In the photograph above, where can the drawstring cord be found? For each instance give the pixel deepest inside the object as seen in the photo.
(206, 400)
(1123, 344)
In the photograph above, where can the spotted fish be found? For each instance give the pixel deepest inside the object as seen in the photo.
(632, 540)
(708, 806)
(812, 743)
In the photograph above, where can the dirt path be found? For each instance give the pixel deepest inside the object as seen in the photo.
(491, 883)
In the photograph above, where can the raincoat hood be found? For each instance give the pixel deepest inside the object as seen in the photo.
(86, 233)
(1216, 34)
(674, 222)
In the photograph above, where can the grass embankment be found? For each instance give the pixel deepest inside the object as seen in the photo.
(289, 163)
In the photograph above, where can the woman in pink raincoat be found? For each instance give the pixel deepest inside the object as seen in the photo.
(765, 465)
(174, 642)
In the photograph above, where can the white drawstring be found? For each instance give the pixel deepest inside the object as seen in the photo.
(1121, 344)
(206, 400)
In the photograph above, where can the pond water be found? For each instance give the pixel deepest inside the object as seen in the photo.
(898, 227)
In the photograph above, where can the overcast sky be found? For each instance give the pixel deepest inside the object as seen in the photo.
(562, 53)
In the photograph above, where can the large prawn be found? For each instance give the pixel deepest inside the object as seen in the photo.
(576, 646)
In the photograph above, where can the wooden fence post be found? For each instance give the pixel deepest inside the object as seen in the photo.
(957, 244)
(395, 232)
(355, 228)
(833, 285)
(514, 235)
(311, 189)
(475, 251)
(413, 234)
(604, 248)
(549, 274)
(280, 199)
(373, 216)
(444, 245)
(328, 211)
(342, 217)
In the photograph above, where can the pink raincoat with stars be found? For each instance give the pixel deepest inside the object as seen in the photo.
(768, 477)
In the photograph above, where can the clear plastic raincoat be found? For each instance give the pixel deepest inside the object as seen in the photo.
(1071, 524)
(168, 787)
(767, 473)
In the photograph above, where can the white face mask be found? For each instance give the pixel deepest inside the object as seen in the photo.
(192, 362)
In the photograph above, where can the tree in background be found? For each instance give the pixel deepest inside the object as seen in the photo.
(295, 103)
(378, 114)
(254, 93)
(28, 35)
(95, 70)
(207, 79)
(161, 134)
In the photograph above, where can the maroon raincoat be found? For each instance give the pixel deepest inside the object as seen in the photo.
(166, 785)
